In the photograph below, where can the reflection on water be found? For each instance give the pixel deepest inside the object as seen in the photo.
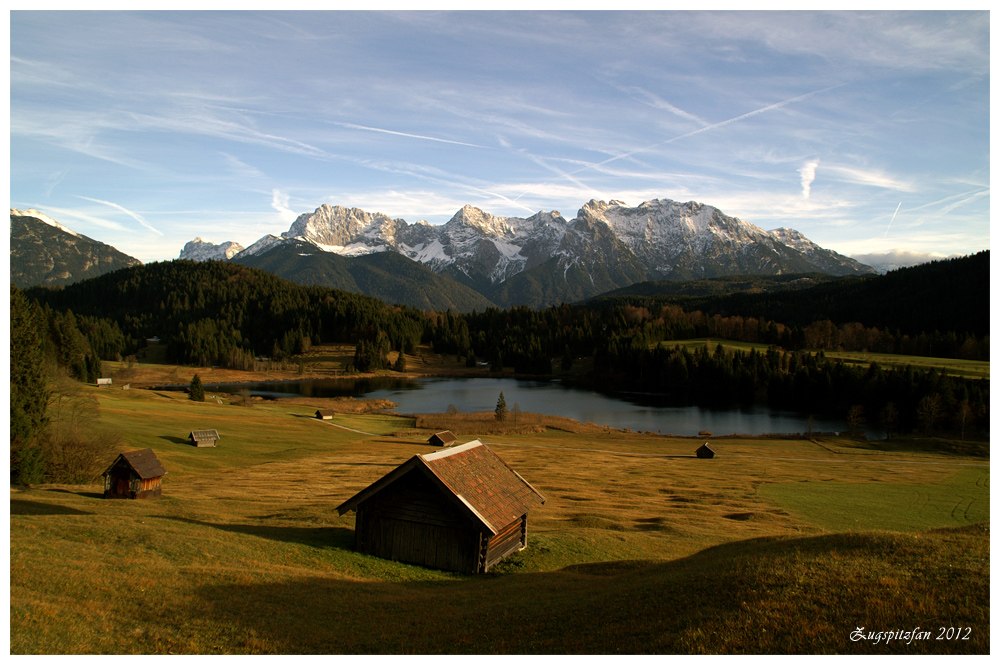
(636, 411)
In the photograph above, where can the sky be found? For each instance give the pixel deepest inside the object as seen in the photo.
(866, 132)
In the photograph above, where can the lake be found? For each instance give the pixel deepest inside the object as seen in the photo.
(636, 411)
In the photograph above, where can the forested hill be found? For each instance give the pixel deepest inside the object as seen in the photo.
(387, 276)
(225, 314)
(945, 296)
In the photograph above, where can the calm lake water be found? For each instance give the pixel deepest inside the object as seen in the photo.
(636, 411)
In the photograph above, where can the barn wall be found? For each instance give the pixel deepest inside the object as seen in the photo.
(410, 521)
(511, 538)
(137, 488)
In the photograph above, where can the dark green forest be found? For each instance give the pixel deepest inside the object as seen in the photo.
(934, 299)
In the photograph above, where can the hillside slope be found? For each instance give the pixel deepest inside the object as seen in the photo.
(44, 254)
(388, 276)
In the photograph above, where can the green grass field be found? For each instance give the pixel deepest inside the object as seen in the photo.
(774, 546)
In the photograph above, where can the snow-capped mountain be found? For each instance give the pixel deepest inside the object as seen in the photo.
(203, 250)
(608, 244)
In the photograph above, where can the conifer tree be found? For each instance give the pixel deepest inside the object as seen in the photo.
(501, 410)
(197, 390)
(29, 393)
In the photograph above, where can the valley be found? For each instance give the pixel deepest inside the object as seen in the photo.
(639, 548)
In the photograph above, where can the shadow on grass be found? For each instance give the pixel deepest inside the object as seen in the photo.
(22, 507)
(766, 595)
(89, 495)
(176, 439)
(320, 537)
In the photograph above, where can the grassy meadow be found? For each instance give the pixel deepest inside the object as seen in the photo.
(773, 546)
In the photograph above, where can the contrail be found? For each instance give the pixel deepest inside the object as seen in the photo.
(128, 212)
(730, 121)
(891, 220)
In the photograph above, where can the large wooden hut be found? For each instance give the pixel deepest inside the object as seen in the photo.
(442, 439)
(134, 475)
(460, 509)
(204, 438)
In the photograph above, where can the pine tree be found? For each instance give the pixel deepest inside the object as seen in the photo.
(501, 410)
(29, 392)
(197, 390)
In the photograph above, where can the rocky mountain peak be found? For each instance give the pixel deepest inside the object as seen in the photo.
(204, 250)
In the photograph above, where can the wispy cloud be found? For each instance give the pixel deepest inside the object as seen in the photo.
(868, 177)
(807, 172)
(279, 202)
(125, 210)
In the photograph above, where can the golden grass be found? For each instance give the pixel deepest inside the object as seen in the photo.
(640, 547)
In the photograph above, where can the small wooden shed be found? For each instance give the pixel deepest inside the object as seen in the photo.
(460, 509)
(204, 438)
(705, 451)
(134, 475)
(104, 382)
(324, 414)
(442, 439)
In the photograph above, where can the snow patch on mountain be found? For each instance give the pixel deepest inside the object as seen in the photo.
(261, 246)
(31, 212)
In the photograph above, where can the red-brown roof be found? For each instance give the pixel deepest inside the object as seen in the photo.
(444, 437)
(143, 462)
(492, 492)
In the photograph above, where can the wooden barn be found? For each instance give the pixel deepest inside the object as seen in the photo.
(705, 451)
(324, 414)
(460, 509)
(204, 438)
(442, 439)
(134, 475)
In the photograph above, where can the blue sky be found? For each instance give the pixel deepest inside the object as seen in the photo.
(866, 132)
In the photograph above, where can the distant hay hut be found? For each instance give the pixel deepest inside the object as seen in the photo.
(134, 475)
(204, 438)
(103, 382)
(442, 439)
(705, 452)
(460, 509)
(324, 414)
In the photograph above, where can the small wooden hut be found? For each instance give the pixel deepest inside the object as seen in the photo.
(442, 439)
(324, 414)
(134, 475)
(705, 451)
(460, 509)
(204, 438)
(103, 382)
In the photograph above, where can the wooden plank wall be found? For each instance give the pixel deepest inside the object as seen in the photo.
(511, 538)
(411, 521)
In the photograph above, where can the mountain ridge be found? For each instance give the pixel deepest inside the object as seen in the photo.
(607, 244)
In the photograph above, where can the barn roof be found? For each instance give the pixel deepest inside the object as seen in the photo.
(479, 481)
(324, 412)
(444, 437)
(204, 435)
(143, 462)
